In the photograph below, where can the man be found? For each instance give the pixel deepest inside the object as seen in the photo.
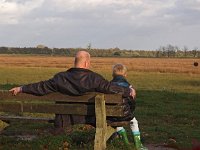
(75, 81)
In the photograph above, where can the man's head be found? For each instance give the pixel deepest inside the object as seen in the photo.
(119, 69)
(82, 60)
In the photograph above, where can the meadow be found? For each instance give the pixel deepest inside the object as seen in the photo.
(168, 95)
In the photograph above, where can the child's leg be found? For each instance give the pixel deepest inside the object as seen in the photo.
(122, 132)
(136, 134)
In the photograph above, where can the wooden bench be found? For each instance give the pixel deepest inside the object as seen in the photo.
(90, 104)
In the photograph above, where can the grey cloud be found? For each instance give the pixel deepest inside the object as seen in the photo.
(142, 25)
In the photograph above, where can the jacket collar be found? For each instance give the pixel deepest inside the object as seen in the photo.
(119, 78)
(79, 69)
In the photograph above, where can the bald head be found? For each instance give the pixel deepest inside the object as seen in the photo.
(82, 60)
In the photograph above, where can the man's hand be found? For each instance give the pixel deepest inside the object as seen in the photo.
(132, 92)
(16, 90)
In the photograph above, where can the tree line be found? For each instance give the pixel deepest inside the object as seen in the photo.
(168, 51)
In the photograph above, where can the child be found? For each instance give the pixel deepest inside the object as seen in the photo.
(119, 77)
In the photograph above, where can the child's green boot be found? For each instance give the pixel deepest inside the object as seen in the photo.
(122, 132)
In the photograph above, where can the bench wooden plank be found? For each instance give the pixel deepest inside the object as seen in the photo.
(51, 120)
(76, 109)
(9, 119)
(88, 97)
(119, 124)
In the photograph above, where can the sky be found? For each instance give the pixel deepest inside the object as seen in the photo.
(126, 24)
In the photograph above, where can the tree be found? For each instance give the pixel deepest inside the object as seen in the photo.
(177, 49)
(117, 53)
(158, 53)
(170, 50)
(195, 52)
(89, 46)
(185, 49)
(161, 52)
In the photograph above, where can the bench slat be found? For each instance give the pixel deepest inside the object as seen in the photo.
(51, 120)
(76, 109)
(34, 119)
(88, 97)
(119, 124)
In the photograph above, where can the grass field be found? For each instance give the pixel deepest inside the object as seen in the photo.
(168, 65)
(168, 96)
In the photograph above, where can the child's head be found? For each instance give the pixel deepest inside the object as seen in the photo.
(119, 69)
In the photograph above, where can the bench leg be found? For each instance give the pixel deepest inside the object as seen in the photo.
(101, 125)
(110, 130)
(3, 125)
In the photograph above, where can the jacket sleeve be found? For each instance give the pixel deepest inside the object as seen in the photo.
(104, 86)
(40, 88)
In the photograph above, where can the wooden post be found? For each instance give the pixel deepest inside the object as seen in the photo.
(110, 130)
(101, 125)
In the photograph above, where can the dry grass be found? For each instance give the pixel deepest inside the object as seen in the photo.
(133, 64)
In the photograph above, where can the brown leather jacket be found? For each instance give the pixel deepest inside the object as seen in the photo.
(75, 81)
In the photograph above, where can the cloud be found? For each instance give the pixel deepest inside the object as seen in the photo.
(12, 11)
(128, 12)
(88, 4)
(123, 23)
(192, 4)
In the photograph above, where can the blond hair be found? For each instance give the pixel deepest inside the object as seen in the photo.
(119, 69)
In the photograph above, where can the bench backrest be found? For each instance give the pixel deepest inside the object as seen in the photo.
(59, 104)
